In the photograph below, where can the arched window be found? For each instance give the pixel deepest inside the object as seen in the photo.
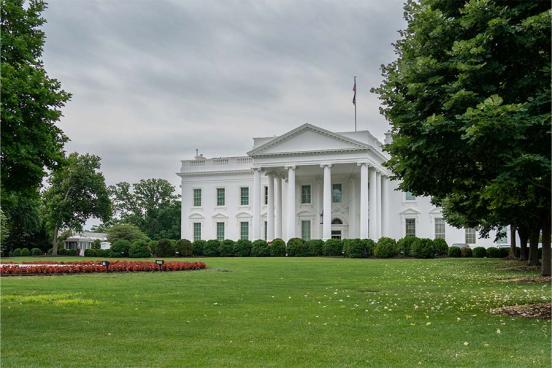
(337, 221)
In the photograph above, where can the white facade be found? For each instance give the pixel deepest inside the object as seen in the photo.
(309, 183)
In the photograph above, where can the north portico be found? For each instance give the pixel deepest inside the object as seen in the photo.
(309, 183)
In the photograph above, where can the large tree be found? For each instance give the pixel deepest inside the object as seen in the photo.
(77, 192)
(30, 107)
(468, 99)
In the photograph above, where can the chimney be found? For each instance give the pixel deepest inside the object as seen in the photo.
(388, 138)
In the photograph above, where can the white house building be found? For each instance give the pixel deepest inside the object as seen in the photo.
(310, 183)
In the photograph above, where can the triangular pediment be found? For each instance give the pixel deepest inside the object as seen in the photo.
(308, 138)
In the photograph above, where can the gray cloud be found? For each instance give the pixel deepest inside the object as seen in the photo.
(153, 80)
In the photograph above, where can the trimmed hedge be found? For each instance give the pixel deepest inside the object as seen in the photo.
(259, 248)
(404, 244)
(422, 248)
(316, 247)
(357, 248)
(466, 252)
(479, 252)
(386, 248)
(278, 248)
(454, 252)
(36, 252)
(296, 247)
(226, 248)
(198, 247)
(333, 247)
(211, 248)
(183, 248)
(242, 248)
(441, 247)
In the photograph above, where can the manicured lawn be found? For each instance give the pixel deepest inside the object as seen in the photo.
(277, 312)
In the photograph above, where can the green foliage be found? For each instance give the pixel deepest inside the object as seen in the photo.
(198, 247)
(441, 247)
(423, 248)
(165, 248)
(36, 252)
(278, 248)
(211, 248)
(479, 252)
(120, 248)
(333, 247)
(124, 231)
(386, 248)
(242, 248)
(184, 248)
(296, 247)
(139, 249)
(404, 244)
(226, 248)
(316, 247)
(357, 248)
(466, 252)
(259, 248)
(454, 252)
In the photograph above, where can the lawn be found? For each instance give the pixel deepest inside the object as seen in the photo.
(277, 312)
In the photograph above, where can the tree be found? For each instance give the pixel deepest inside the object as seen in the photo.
(30, 106)
(468, 99)
(77, 192)
(124, 231)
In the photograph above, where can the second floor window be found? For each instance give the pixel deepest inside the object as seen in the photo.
(439, 228)
(197, 197)
(305, 194)
(220, 197)
(244, 196)
(337, 193)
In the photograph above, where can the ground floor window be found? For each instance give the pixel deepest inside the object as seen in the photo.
(439, 228)
(470, 235)
(197, 231)
(244, 230)
(410, 229)
(220, 230)
(306, 229)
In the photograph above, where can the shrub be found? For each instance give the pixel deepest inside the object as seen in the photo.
(226, 248)
(333, 247)
(386, 248)
(165, 248)
(454, 252)
(36, 252)
(357, 248)
(25, 252)
(278, 248)
(479, 252)
(296, 247)
(120, 248)
(259, 248)
(71, 252)
(139, 249)
(183, 248)
(441, 247)
(493, 252)
(422, 248)
(242, 248)
(405, 243)
(211, 248)
(466, 252)
(198, 247)
(17, 252)
(315, 247)
(90, 252)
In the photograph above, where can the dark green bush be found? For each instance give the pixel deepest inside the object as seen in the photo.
(479, 252)
(259, 248)
(16, 252)
(183, 248)
(198, 247)
(405, 243)
(466, 252)
(165, 248)
(386, 248)
(120, 248)
(493, 252)
(278, 248)
(441, 247)
(357, 248)
(296, 247)
(316, 247)
(422, 248)
(333, 247)
(139, 249)
(25, 252)
(211, 248)
(36, 252)
(242, 248)
(90, 252)
(454, 252)
(226, 248)
(71, 252)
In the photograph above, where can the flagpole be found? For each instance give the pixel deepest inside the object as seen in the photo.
(355, 106)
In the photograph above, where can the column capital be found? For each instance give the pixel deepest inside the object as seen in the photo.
(325, 165)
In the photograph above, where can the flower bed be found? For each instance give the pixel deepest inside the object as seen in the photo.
(48, 268)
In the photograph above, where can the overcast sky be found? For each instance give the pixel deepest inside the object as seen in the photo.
(153, 80)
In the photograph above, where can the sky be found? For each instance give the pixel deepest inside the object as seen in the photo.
(152, 80)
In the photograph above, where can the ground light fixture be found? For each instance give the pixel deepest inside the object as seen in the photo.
(106, 265)
(160, 263)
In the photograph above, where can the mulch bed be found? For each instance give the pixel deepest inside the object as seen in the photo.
(539, 311)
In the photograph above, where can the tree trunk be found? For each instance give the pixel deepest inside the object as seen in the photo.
(55, 242)
(534, 247)
(523, 236)
(512, 242)
(546, 262)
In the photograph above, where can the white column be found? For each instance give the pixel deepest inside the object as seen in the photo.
(270, 209)
(278, 207)
(378, 204)
(372, 204)
(363, 201)
(291, 203)
(327, 211)
(256, 203)
(384, 205)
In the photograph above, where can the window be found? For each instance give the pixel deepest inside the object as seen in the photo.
(410, 229)
(265, 230)
(244, 230)
(470, 235)
(197, 197)
(306, 229)
(244, 196)
(337, 193)
(305, 194)
(439, 228)
(220, 197)
(266, 195)
(197, 231)
(220, 230)
(409, 196)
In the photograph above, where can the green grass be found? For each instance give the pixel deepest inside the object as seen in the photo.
(277, 312)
